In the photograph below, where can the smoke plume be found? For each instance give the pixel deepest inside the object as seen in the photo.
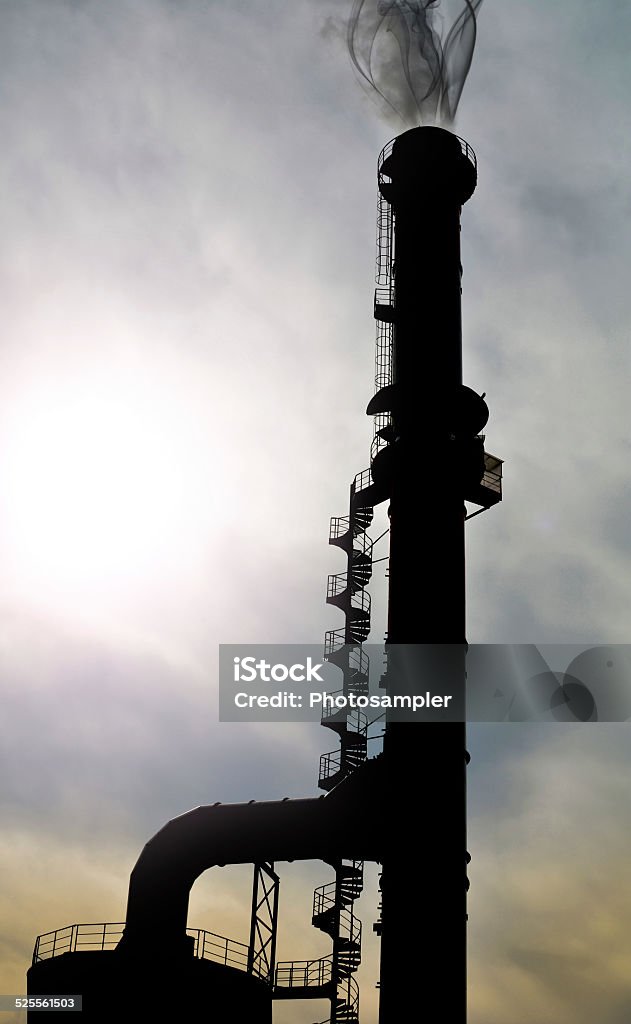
(413, 54)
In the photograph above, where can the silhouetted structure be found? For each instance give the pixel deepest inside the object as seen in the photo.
(427, 458)
(432, 460)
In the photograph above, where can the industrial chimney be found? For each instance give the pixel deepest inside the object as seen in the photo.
(427, 459)
(433, 460)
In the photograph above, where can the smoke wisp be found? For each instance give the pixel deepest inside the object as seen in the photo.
(414, 54)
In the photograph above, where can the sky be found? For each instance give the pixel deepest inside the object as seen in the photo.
(186, 282)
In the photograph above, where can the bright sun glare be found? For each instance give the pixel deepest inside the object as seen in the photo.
(104, 482)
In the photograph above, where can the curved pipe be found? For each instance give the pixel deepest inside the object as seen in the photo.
(338, 825)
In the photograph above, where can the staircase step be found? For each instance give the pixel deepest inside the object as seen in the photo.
(351, 876)
(354, 743)
(350, 894)
(362, 517)
(360, 577)
(345, 971)
(348, 947)
(325, 922)
(354, 753)
(346, 1016)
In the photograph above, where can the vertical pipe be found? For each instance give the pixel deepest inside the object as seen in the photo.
(423, 954)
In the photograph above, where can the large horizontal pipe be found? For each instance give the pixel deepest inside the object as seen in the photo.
(339, 825)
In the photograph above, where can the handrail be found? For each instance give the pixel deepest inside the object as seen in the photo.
(304, 973)
(361, 556)
(492, 473)
(358, 661)
(467, 151)
(385, 242)
(362, 548)
(333, 762)
(360, 601)
(334, 641)
(106, 935)
(330, 764)
(337, 584)
(352, 995)
(206, 946)
(210, 946)
(383, 355)
(102, 935)
(384, 295)
(350, 926)
(339, 525)
(362, 481)
(385, 153)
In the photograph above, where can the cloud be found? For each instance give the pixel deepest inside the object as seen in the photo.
(100, 742)
(547, 907)
(194, 183)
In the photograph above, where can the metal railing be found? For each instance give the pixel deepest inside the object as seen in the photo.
(383, 377)
(360, 602)
(362, 481)
(347, 656)
(383, 355)
(340, 525)
(381, 159)
(385, 240)
(334, 641)
(73, 937)
(209, 946)
(467, 151)
(492, 473)
(359, 663)
(382, 420)
(304, 973)
(362, 547)
(107, 935)
(341, 765)
(349, 888)
(337, 584)
(356, 720)
(384, 296)
(325, 898)
(330, 765)
(350, 927)
(349, 991)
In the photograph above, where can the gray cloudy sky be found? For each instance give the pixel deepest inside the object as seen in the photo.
(187, 247)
